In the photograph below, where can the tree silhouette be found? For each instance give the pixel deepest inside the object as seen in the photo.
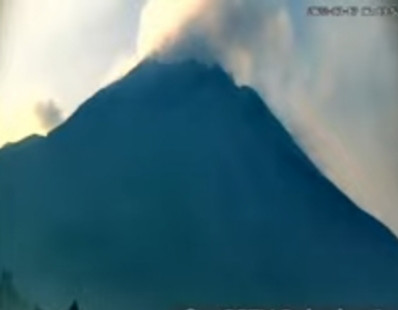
(74, 306)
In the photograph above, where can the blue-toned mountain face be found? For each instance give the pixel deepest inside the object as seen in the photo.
(174, 187)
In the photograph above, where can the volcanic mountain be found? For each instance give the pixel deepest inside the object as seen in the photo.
(175, 187)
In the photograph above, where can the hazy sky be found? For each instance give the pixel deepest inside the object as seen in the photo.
(60, 51)
(332, 80)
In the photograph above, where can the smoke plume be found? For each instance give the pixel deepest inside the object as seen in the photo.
(49, 114)
(329, 79)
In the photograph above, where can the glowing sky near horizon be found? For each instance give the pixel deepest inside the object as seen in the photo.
(331, 80)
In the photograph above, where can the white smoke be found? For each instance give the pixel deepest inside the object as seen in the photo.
(330, 79)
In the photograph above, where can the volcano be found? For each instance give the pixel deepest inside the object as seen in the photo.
(175, 187)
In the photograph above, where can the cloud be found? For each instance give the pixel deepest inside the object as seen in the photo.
(49, 114)
(330, 80)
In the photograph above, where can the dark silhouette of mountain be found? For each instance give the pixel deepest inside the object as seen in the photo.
(24, 143)
(175, 187)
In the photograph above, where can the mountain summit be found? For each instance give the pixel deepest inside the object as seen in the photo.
(175, 187)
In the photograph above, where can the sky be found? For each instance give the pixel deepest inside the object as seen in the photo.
(331, 80)
(59, 52)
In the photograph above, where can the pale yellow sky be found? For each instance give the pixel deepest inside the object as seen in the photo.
(61, 51)
(36, 65)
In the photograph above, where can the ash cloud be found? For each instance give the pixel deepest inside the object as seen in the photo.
(330, 80)
(49, 114)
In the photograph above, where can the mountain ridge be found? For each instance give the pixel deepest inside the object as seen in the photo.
(175, 171)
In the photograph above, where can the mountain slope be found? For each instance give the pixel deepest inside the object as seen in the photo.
(9, 297)
(175, 187)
